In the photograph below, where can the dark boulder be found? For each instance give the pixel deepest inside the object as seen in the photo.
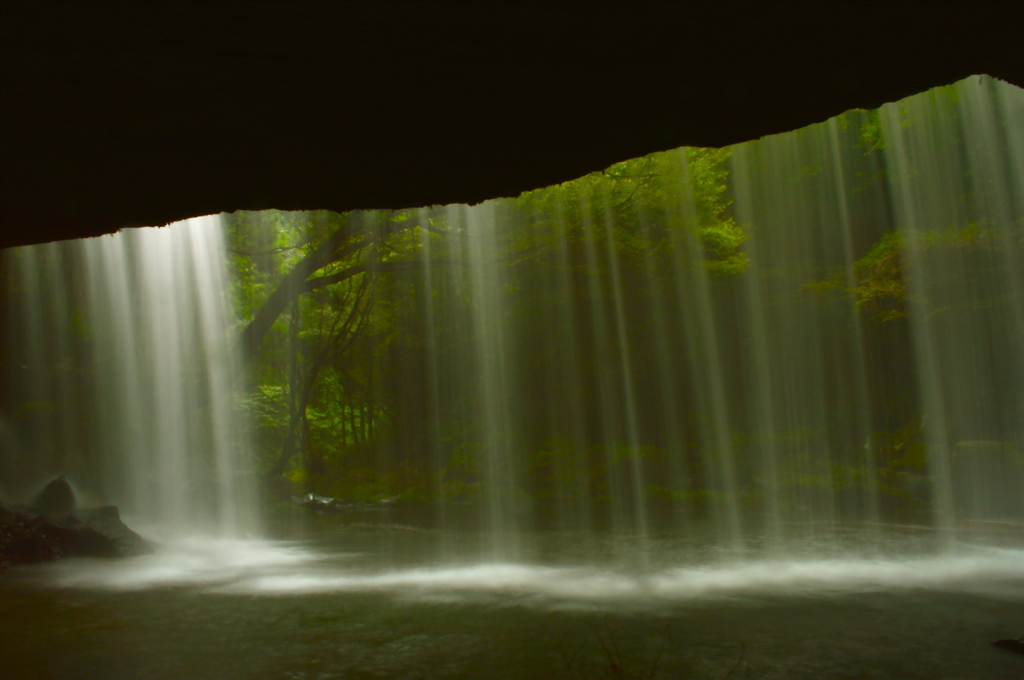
(25, 539)
(1015, 646)
(57, 500)
(106, 522)
(52, 529)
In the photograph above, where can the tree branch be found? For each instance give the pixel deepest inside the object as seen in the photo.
(327, 252)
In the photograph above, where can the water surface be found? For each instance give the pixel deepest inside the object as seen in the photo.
(394, 602)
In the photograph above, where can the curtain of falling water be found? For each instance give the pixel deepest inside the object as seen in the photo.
(629, 402)
(604, 365)
(146, 342)
(705, 358)
(958, 193)
(494, 368)
(605, 376)
(42, 365)
(788, 393)
(436, 444)
(805, 381)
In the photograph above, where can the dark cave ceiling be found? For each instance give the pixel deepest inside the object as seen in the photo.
(125, 114)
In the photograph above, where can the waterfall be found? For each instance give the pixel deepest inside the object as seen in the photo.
(755, 348)
(859, 362)
(958, 179)
(125, 343)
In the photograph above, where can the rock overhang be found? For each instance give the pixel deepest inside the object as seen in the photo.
(121, 114)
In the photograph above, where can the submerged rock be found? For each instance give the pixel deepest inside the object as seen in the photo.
(317, 503)
(314, 502)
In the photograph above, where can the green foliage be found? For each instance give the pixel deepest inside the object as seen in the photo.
(871, 136)
(321, 395)
(837, 478)
(900, 458)
(880, 286)
(34, 408)
(700, 499)
(902, 449)
(649, 204)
